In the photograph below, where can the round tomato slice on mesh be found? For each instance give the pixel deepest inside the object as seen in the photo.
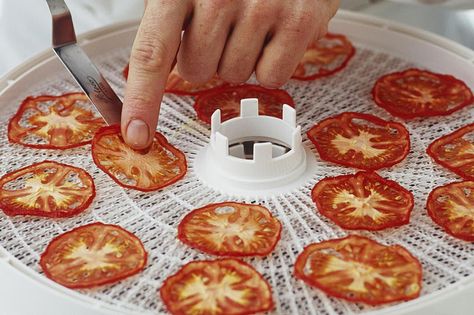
(455, 151)
(217, 287)
(46, 189)
(160, 166)
(231, 229)
(93, 255)
(227, 99)
(360, 140)
(418, 93)
(179, 86)
(452, 207)
(54, 122)
(324, 57)
(358, 269)
(364, 201)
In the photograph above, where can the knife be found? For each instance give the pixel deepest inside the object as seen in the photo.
(80, 66)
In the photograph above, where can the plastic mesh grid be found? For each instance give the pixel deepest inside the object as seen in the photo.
(154, 217)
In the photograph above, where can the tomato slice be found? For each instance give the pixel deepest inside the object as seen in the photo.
(227, 99)
(364, 201)
(452, 207)
(161, 166)
(46, 189)
(54, 122)
(324, 57)
(455, 151)
(231, 229)
(179, 86)
(215, 287)
(92, 255)
(420, 93)
(358, 269)
(361, 141)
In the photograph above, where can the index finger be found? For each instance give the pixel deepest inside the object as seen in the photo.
(153, 53)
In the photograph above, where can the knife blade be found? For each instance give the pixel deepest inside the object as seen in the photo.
(80, 66)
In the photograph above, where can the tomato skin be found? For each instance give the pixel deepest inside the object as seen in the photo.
(349, 53)
(190, 222)
(263, 304)
(319, 136)
(444, 155)
(12, 209)
(16, 133)
(397, 109)
(49, 252)
(438, 213)
(270, 101)
(363, 182)
(351, 242)
(160, 140)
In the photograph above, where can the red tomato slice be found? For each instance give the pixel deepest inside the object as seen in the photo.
(452, 207)
(324, 57)
(54, 122)
(227, 99)
(46, 189)
(215, 287)
(361, 141)
(417, 93)
(358, 269)
(179, 86)
(231, 229)
(455, 151)
(93, 255)
(364, 201)
(161, 166)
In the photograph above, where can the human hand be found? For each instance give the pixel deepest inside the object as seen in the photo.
(233, 38)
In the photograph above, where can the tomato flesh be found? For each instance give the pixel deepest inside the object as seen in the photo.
(93, 255)
(364, 201)
(179, 86)
(455, 151)
(361, 141)
(324, 57)
(225, 286)
(359, 269)
(452, 207)
(418, 93)
(231, 229)
(54, 122)
(46, 189)
(227, 99)
(161, 166)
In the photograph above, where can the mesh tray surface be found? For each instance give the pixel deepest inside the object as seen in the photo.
(154, 216)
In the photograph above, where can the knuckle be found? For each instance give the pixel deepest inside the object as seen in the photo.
(216, 5)
(259, 12)
(137, 104)
(149, 53)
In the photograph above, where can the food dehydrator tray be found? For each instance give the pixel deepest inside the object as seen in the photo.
(382, 47)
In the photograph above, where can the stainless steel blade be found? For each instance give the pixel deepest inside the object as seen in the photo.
(80, 66)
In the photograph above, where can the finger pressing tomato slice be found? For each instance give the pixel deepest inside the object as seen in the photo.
(364, 201)
(160, 166)
(54, 122)
(361, 141)
(359, 269)
(93, 255)
(179, 86)
(231, 229)
(46, 189)
(324, 57)
(417, 93)
(455, 151)
(227, 99)
(217, 287)
(452, 207)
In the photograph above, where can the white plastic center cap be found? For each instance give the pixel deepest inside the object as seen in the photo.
(252, 152)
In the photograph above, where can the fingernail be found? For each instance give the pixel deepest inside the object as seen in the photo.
(137, 133)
